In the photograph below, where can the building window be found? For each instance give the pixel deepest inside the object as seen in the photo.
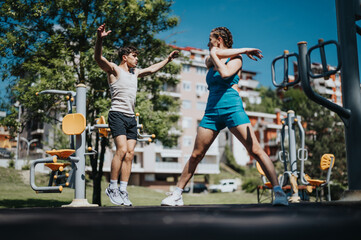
(201, 89)
(187, 122)
(201, 70)
(185, 68)
(201, 106)
(186, 86)
(186, 104)
(149, 177)
(187, 141)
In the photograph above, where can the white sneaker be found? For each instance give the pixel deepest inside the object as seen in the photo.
(172, 200)
(125, 198)
(114, 196)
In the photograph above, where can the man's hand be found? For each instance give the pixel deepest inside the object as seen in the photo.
(254, 52)
(101, 31)
(173, 55)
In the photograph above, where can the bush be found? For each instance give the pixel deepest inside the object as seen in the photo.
(250, 184)
(11, 163)
(26, 166)
(231, 162)
(336, 191)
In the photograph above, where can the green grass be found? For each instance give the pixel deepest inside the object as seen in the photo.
(15, 192)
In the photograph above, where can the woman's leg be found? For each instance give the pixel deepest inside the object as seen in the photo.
(204, 139)
(245, 134)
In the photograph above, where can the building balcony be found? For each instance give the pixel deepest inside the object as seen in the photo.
(4, 131)
(168, 167)
(330, 84)
(321, 89)
(213, 150)
(208, 168)
(248, 93)
(274, 158)
(329, 91)
(248, 83)
(272, 143)
(37, 131)
(137, 167)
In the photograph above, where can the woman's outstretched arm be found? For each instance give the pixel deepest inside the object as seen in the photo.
(252, 53)
(225, 70)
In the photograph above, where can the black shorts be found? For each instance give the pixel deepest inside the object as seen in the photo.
(122, 125)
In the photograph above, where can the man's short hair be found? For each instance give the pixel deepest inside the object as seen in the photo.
(126, 51)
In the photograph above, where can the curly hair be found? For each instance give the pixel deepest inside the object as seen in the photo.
(225, 34)
(126, 51)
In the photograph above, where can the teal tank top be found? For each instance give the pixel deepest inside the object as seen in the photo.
(222, 97)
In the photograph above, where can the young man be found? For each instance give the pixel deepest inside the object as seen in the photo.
(122, 81)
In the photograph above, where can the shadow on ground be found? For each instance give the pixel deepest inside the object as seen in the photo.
(30, 202)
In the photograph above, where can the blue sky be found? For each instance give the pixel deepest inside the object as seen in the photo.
(270, 25)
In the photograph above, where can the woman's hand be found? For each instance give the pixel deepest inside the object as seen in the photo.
(252, 53)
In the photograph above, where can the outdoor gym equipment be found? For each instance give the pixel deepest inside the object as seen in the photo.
(290, 175)
(347, 12)
(326, 163)
(286, 81)
(73, 124)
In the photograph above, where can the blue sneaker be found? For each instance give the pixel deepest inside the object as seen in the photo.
(280, 199)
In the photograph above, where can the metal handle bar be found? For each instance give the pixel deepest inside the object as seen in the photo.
(344, 113)
(325, 72)
(61, 92)
(285, 83)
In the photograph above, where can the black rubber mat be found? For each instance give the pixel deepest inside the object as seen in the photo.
(335, 220)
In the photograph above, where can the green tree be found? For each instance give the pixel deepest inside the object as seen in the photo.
(269, 103)
(231, 161)
(50, 45)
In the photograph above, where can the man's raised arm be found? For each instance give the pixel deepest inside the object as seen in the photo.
(102, 61)
(156, 67)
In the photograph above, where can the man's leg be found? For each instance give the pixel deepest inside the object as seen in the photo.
(121, 149)
(125, 171)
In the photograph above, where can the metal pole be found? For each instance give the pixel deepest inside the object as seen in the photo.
(346, 18)
(79, 199)
(292, 142)
(80, 145)
(18, 138)
(292, 156)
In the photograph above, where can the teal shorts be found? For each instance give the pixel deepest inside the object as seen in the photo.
(217, 119)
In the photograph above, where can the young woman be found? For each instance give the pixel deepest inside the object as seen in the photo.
(225, 109)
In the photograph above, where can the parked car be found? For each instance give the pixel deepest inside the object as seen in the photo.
(226, 185)
(4, 153)
(197, 188)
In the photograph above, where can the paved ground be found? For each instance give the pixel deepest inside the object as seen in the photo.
(305, 221)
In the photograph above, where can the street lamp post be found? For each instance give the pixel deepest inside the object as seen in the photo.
(17, 104)
(28, 144)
